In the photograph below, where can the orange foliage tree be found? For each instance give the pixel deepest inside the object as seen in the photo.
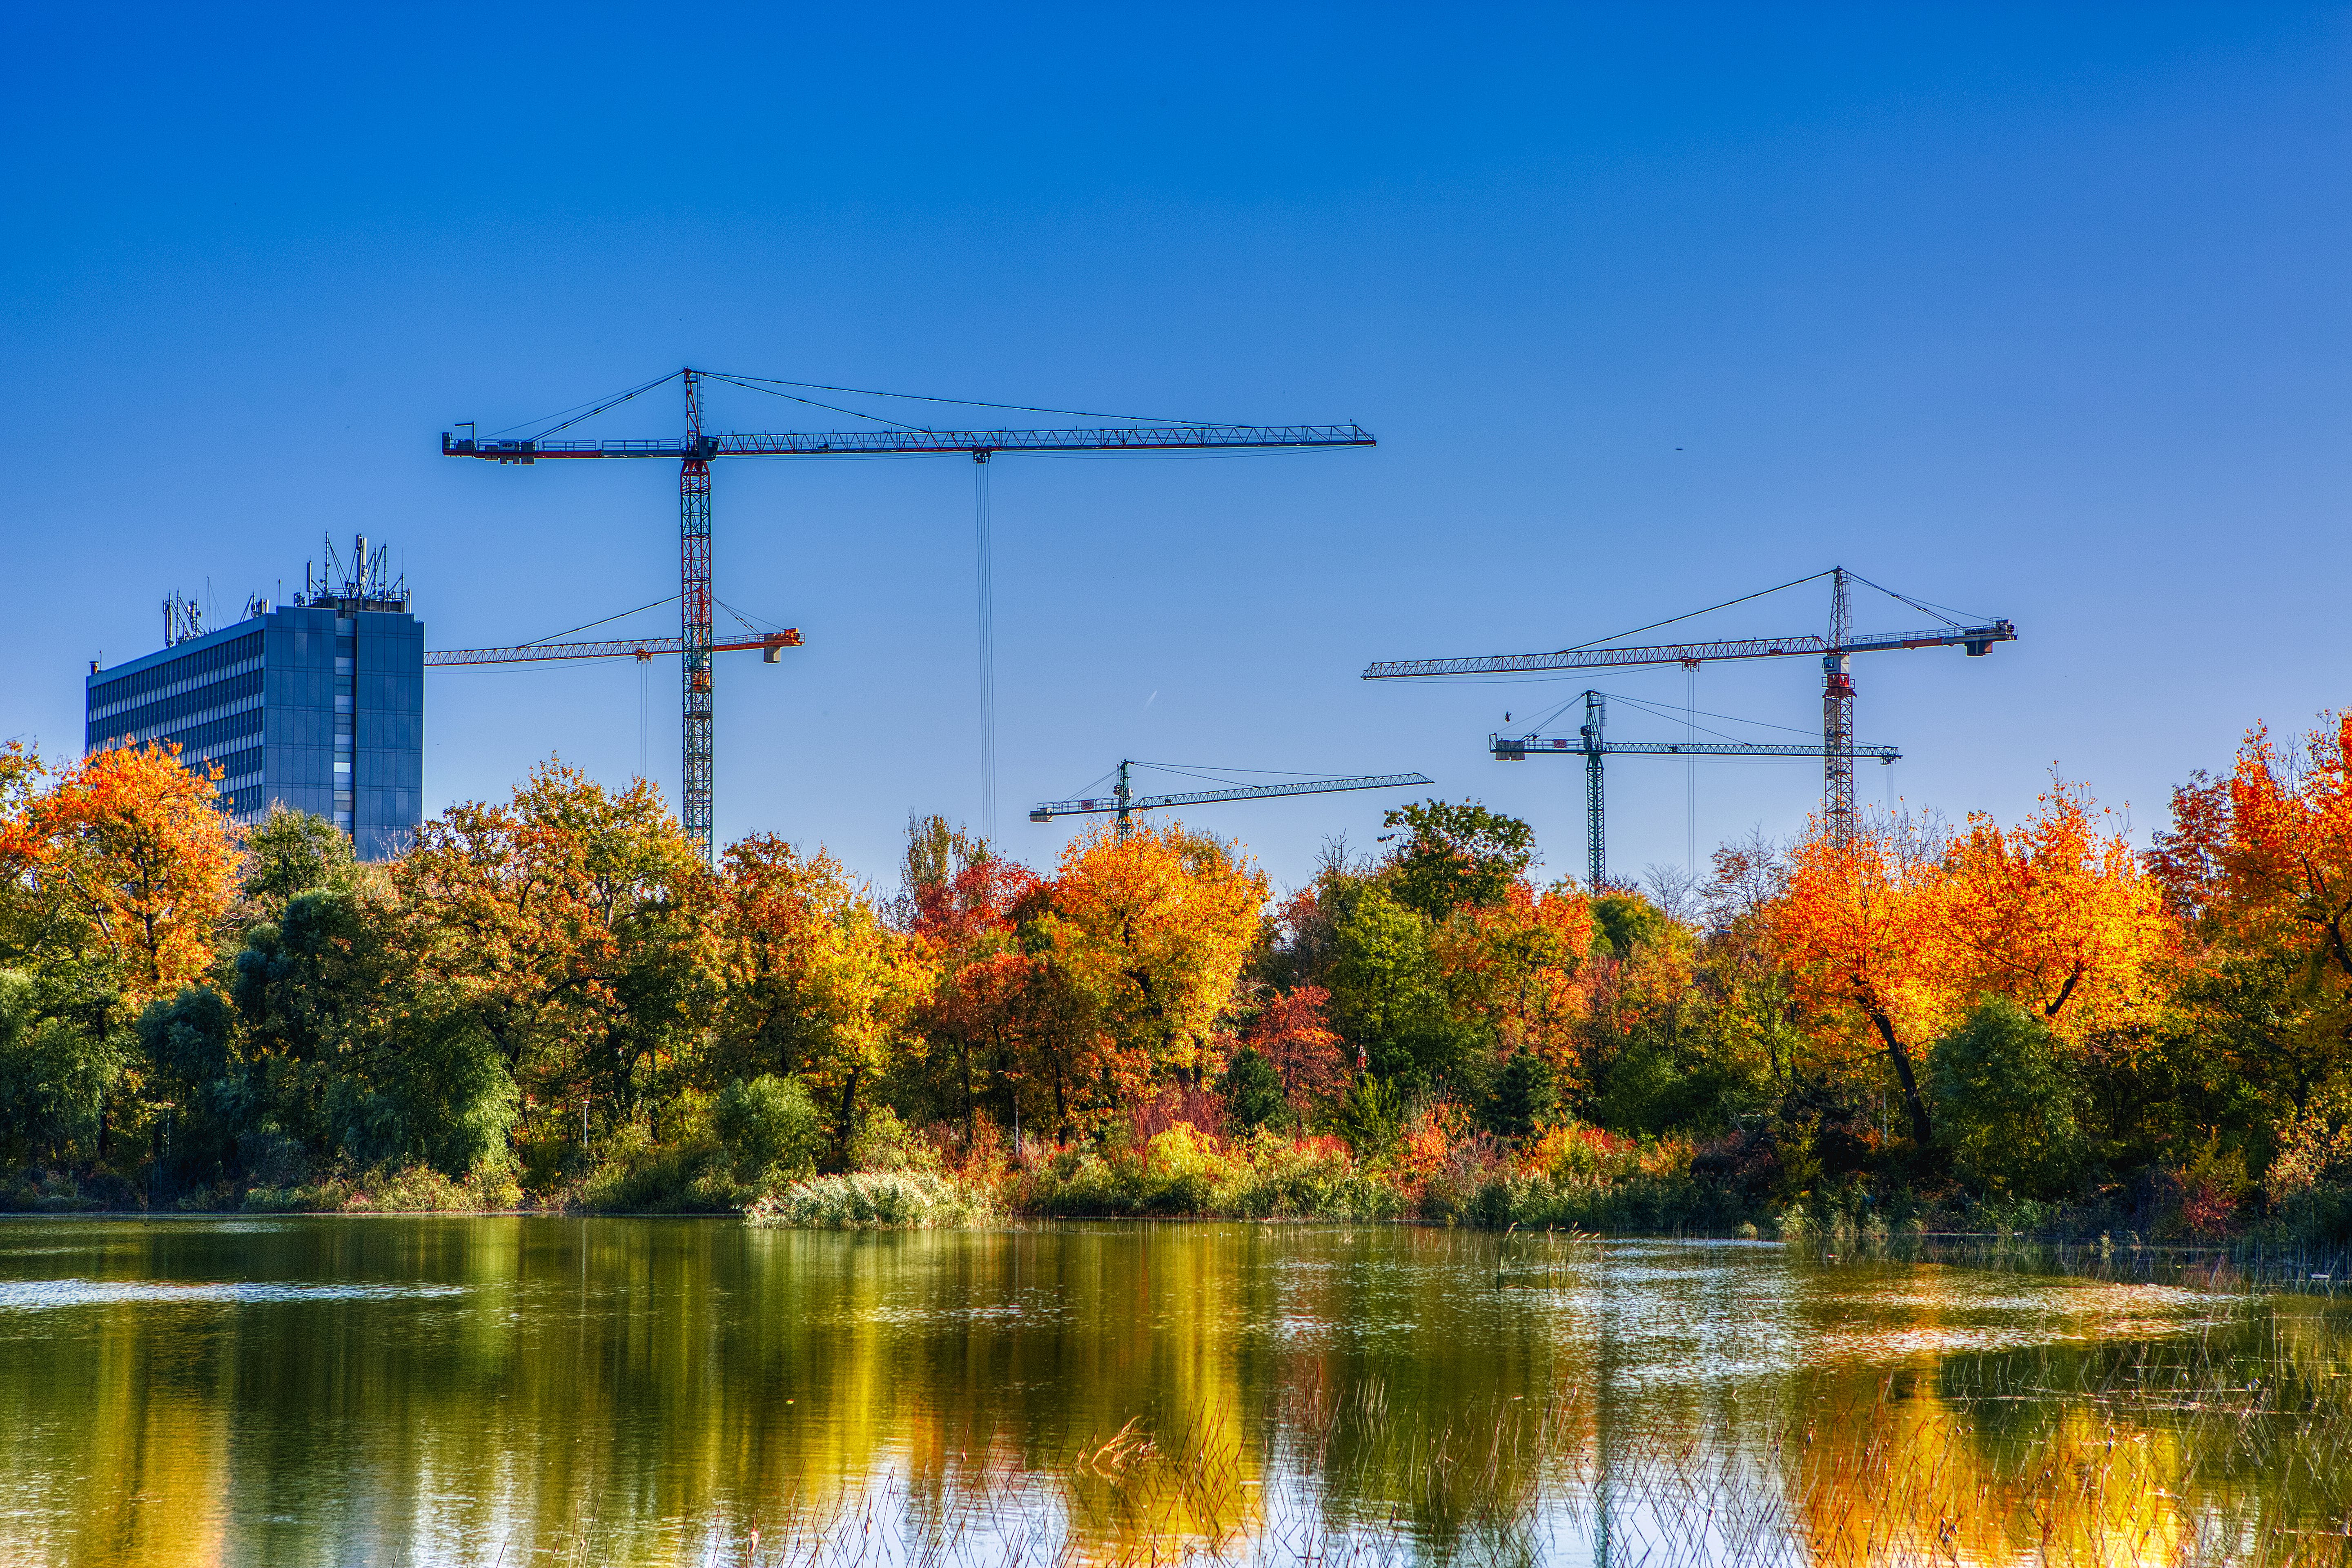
(1518, 963)
(126, 857)
(2286, 862)
(573, 926)
(2057, 914)
(1152, 930)
(1852, 919)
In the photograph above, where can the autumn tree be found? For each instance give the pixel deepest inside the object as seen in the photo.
(573, 927)
(814, 982)
(125, 858)
(1520, 964)
(2057, 915)
(1850, 921)
(1152, 928)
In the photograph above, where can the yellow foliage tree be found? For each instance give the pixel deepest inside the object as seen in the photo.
(1153, 929)
(816, 984)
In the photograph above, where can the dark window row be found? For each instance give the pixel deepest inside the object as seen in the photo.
(154, 715)
(220, 732)
(194, 667)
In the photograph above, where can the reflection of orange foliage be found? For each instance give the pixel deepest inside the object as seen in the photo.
(130, 847)
(1908, 1480)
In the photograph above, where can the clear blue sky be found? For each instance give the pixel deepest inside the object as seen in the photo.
(2040, 311)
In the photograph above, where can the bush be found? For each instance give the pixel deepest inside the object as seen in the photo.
(769, 1128)
(883, 1142)
(873, 1200)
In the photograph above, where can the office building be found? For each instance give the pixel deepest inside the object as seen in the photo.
(319, 704)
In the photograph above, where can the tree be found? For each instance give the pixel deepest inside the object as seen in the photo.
(1850, 923)
(2286, 867)
(574, 929)
(2007, 1105)
(1527, 1094)
(1455, 855)
(814, 983)
(1388, 993)
(1251, 1091)
(1290, 1033)
(2057, 914)
(55, 1077)
(290, 853)
(1520, 964)
(1153, 930)
(128, 860)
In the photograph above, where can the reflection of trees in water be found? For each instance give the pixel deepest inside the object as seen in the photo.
(623, 1392)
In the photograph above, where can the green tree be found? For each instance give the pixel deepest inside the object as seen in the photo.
(1526, 1095)
(1387, 994)
(1251, 1091)
(54, 1075)
(2006, 1104)
(290, 853)
(1456, 854)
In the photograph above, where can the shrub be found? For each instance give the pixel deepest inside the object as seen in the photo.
(873, 1200)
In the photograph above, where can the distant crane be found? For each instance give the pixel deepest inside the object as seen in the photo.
(1122, 799)
(696, 448)
(1837, 749)
(1591, 744)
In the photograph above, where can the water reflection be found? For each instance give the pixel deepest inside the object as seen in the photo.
(514, 1391)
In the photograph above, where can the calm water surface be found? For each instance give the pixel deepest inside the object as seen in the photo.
(545, 1391)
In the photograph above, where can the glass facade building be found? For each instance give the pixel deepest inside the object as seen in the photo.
(319, 705)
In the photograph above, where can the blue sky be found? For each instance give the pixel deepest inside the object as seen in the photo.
(2040, 312)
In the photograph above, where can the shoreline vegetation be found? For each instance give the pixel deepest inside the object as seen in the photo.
(553, 1004)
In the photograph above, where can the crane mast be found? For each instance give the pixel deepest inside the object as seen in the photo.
(1837, 716)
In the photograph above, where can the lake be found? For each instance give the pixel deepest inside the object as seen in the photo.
(540, 1391)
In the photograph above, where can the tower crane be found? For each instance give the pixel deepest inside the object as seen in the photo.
(1123, 800)
(1593, 746)
(1836, 651)
(695, 451)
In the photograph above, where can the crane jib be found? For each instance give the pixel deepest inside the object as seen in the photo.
(883, 443)
(1974, 639)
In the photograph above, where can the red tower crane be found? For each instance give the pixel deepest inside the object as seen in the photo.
(1836, 650)
(697, 448)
